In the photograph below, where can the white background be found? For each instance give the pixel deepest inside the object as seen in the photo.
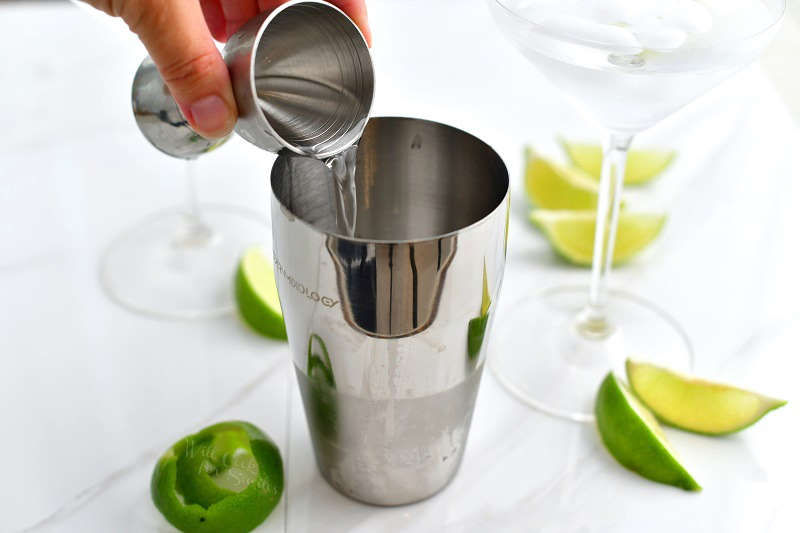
(90, 394)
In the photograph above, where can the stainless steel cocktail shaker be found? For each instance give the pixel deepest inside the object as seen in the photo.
(388, 327)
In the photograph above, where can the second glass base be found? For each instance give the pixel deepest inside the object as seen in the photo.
(539, 354)
(171, 265)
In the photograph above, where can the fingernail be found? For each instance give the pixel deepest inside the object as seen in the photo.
(210, 114)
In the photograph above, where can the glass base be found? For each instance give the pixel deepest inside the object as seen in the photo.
(541, 355)
(172, 265)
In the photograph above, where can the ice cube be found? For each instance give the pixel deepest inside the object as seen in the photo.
(659, 37)
(613, 38)
(534, 11)
(625, 12)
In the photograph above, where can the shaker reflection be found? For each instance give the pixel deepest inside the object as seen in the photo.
(318, 386)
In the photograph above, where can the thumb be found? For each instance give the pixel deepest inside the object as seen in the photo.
(180, 43)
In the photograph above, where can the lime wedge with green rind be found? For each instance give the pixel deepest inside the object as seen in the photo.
(632, 435)
(694, 404)
(571, 233)
(227, 478)
(196, 470)
(553, 186)
(642, 165)
(257, 294)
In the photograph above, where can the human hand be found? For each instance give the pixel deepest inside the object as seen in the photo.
(178, 36)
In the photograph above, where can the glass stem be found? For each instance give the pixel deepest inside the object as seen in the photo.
(192, 211)
(593, 321)
(194, 232)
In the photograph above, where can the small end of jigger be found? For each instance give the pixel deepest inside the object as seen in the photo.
(160, 119)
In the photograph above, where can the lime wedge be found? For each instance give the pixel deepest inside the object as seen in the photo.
(227, 478)
(571, 233)
(696, 405)
(552, 186)
(257, 294)
(632, 435)
(642, 165)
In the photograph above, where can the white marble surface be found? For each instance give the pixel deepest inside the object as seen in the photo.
(90, 394)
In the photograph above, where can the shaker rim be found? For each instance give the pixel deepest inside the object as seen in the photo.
(361, 240)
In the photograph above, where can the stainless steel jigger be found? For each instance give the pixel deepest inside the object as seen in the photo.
(388, 328)
(302, 77)
(160, 119)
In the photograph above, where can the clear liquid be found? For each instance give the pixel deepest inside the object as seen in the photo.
(313, 115)
(620, 83)
(294, 106)
(343, 173)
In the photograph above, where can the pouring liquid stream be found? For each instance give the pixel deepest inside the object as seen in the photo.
(343, 173)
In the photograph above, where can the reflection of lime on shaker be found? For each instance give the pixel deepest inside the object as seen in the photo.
(319, 367)
(477, 326)
(322, 407)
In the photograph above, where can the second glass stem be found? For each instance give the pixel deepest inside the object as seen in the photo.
(194, 232)
(192, 209)
(593, 320)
